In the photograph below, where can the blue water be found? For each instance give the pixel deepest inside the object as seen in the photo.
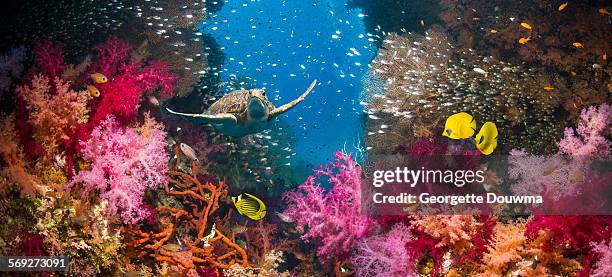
(282, 46)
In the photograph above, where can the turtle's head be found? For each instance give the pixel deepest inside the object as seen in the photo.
(258, 107)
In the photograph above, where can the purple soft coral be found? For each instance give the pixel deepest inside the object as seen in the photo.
(594, 125)
(125, 164)
(334, 218)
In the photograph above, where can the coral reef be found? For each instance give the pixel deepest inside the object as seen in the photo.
(15, 168)
(332, 219)
(592, 129)
(427, 79)
(125, 162)
(384, 255)
(53, 113)
(206, 245)
(101, 177)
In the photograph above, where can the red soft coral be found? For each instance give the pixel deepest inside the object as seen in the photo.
(573, 233)
(127, 81)
(110, 55)
(332, 219)
(48, 59)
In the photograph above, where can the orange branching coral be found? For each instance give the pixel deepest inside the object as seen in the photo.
(506, 248)
(206, 245)
(13, 168)
(453, 231)
(53, 111)
(510, 253)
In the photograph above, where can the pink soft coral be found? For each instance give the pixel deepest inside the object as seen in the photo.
(594, 125)
(603, 267)
(125, 164)
(384, 255)
(332, 219)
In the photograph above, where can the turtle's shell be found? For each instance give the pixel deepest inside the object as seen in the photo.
(236, 102)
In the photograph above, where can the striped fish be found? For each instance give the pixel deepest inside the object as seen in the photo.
(250, 206)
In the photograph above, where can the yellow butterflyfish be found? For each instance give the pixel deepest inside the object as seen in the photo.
(98, 78)
(604, 11)
(93, 91)
(562, 6)
(493, 31)
(486, 139)
(578, 44)
(526, 26)
(250, 206)
(524, 40)
(460, 126)
(549, 88)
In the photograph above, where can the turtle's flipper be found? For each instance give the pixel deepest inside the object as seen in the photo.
(222, 118)
(291, 104)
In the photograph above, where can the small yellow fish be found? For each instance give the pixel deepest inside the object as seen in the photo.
(459, 126)
(562, 6)
(548, 88)
(493, 31)
(250, 206)
(578, 44)
(604, 11)
(93, 91)
(604, 56)
(573, 73)
(524, 40)
(486, 139)
(98, 78)
(526, 26)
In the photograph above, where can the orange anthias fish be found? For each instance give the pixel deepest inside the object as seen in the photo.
(93, 91)
(604, 56)
(578, 44)
(562, 6)
(549, 88)
(98, 78)
(526, 26)
(604, 11)
(524, 40)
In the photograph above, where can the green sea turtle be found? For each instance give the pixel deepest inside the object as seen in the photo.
(242, 112)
